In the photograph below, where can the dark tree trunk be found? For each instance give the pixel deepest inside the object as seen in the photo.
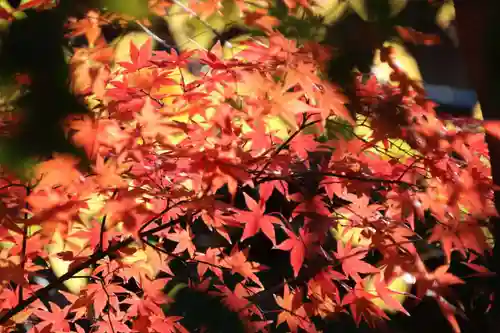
(479, 38)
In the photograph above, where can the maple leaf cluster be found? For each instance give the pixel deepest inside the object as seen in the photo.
(189, 171)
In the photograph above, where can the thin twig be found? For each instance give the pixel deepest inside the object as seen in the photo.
(23, 258)
(109, 304)
(303, 126)
(24, 244)
(153, 98)
(100, 247)
(153, 35)
(14, 185)
(163, 226)
(193, 13)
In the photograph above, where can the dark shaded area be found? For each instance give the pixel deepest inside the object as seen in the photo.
(479, 33)
(355, 41)
(33, 46)
(440, 64)
(202, 310)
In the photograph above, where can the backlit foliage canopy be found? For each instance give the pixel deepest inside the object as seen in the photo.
(193, 175)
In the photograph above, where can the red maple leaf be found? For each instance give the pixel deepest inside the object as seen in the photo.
(255, 220)
(385, 294)
(60, 170)
(108, 173)
(302, 144)
(259, 138)
(139, 57)
(169, 324)
(209, 261)
(492, 127)
(34, 4)
(261, 20)
(238, 263)
(102, 295)
(297, 246)
(5, 15)
(416, 37)
(266, 189)
(153, 289)
(461, 237)
(293, 312)
(351, 259)
(362, 307)
(113, 322)
(235, 300)
(86, 134)
(56, 318)
(361, 207)
(88, 26)
(184, 240)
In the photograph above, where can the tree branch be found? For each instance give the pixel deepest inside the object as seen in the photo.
(98, 255)
(302, 127)
(338, 175)
(43, 292)
(478, 30)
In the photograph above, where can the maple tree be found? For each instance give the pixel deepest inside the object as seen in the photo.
(194, 175)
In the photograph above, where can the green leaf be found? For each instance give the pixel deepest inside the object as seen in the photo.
(134, 8)
(19, 164)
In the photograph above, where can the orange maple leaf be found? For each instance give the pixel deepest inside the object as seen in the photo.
(352, 263)
(239, 263)
(293, 312)
(59, 171)
(184, 240)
